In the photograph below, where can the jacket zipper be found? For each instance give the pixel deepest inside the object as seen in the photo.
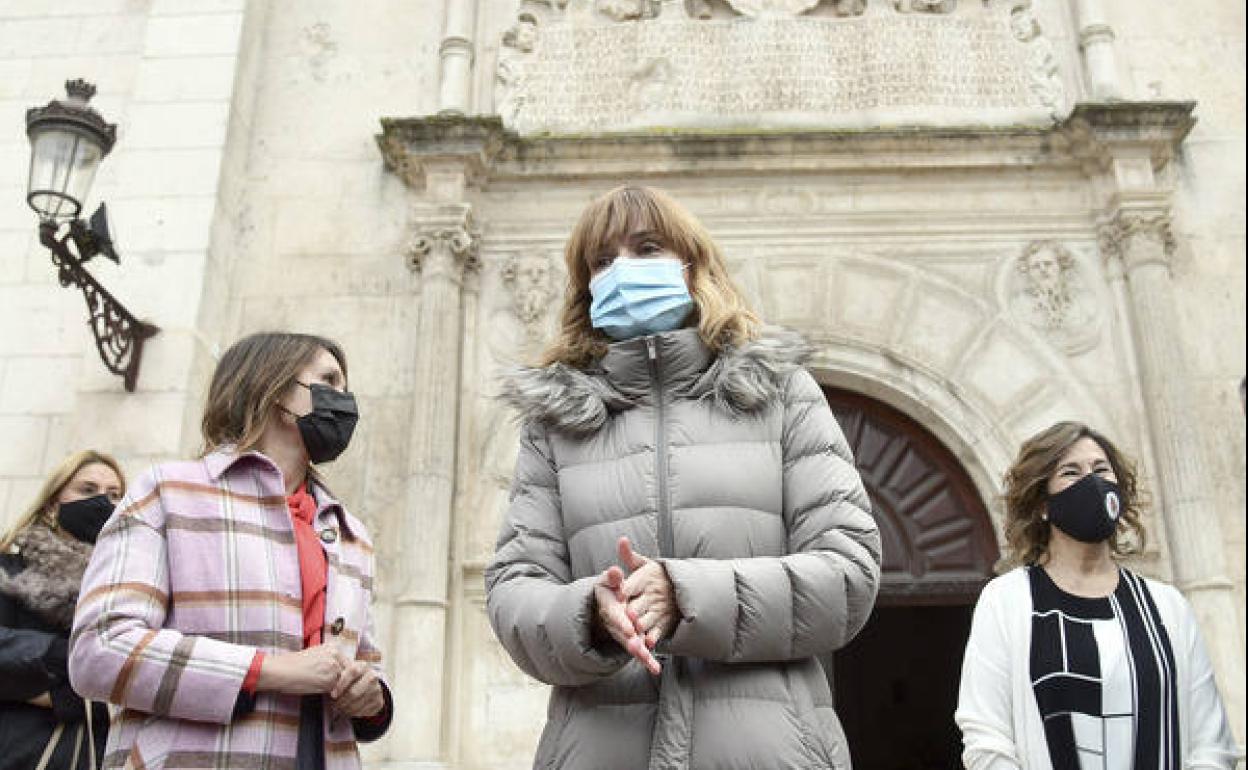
(667, 544)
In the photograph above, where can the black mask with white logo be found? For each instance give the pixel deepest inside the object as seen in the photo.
(1087, 510)
(327, 429)
(85, 518)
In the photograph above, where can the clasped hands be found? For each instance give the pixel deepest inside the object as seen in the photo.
(353, 686)
(637, 609)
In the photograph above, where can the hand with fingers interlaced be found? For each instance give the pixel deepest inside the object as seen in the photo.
(613, 617)
(650, 595)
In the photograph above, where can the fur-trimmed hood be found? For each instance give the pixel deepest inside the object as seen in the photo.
(50, 576)
(577, 402)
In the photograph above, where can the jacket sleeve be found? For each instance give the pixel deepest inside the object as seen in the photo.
(985, 709)
(819, 595)
(120, 649)
(31, 662)
(543, 617)
(372, 728)
(1210, 743)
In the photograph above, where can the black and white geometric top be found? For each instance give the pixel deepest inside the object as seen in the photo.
(1102, 671)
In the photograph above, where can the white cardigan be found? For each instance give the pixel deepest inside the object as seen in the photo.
(997, 711)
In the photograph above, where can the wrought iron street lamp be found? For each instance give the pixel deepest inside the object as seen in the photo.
(68, 138)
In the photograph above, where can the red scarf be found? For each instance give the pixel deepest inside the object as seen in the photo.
(313, 565)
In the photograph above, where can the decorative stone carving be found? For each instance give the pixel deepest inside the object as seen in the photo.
(459, 241)
(1050, 294)
(772, 8)
(519, 40)
(533, 280)
(626, 10)
(1046, 79)
(1137, 238)
(698, 9)
(849, 7)
(926, 6)
(625, 65)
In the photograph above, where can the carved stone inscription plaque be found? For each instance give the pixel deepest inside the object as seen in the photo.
(878, 69)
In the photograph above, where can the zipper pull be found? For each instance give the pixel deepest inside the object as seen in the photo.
(650, 348)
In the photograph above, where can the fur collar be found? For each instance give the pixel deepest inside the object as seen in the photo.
(51, 575)
(577, 402)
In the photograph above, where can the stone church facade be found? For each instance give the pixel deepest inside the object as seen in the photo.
(985, 215)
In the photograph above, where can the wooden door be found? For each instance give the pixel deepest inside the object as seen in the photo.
(939, 546)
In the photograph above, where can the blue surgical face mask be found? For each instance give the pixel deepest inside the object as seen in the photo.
(636, 297)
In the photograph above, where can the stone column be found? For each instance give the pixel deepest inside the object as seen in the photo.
(1141, 240)
(455, 89)
(1100, 61)
(444, 160)
(443, 249)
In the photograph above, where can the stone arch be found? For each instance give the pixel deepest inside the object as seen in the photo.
(952, 399)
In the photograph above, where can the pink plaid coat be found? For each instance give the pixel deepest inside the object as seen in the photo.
(194, 572)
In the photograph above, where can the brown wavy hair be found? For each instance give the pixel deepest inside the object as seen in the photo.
(1026, 494)
(721, 312)
(251, 378)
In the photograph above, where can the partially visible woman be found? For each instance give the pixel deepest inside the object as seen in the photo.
(227, 606)
(43, 722)
(1075, 662)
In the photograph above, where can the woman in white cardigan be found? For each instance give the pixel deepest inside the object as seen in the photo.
(1074, 662)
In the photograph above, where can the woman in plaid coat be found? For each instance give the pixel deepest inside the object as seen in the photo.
(226, 605)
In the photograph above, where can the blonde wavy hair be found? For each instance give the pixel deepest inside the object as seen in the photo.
(721, 312)
(53, 485)
(1026, 494)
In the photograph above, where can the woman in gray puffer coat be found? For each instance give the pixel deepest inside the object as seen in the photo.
(687, 531)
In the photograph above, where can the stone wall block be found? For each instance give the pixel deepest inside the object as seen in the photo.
(177, 125)
(146, 426)
(939, 326)
(39, 386)
(18, 9)
(14, 245)
(1003, 372)
(198, 35)
(155, 226)
(185, 79)
(168, 173)
(793, 291)
(196, 7)
(113, 34)
(39, 37)
(43, 321)
(14, 77)
(25, 437)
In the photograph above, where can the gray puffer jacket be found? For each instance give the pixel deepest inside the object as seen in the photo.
(733, 471)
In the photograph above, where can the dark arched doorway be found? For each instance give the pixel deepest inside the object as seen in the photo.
(896, 684)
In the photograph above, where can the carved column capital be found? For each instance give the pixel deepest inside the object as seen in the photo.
(1137, 238)
(453, 240)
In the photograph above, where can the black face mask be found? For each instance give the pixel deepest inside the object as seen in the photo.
(1087, 510)
(85, 518)
(327, 429)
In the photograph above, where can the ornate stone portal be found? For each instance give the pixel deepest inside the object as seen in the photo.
(891, 278)
(898, 179)
(623, 66)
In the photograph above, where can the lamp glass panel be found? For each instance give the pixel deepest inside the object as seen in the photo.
(62, 168)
